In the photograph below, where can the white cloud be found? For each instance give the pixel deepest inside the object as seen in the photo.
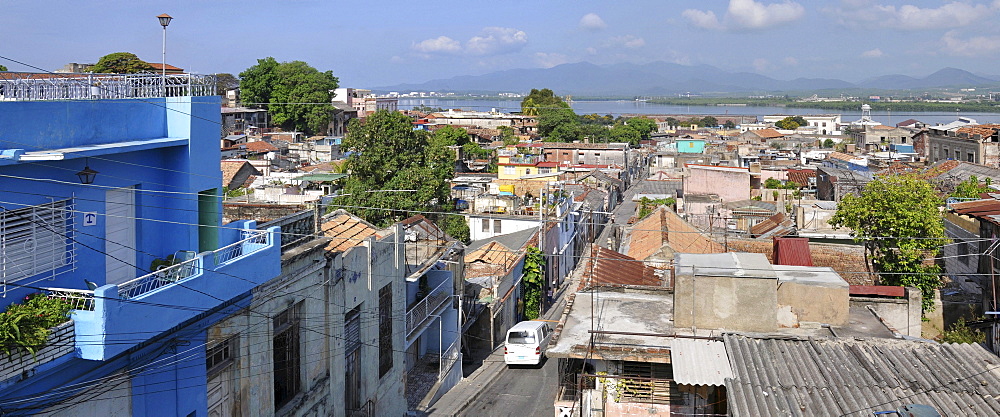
(628, 41)
(549, 60)
(874, 53)
(910, 17)
(703, 19)
(496, 40)
(975, 46)
(490, 41)
(438, 45)
(592, 22)
(746, 14)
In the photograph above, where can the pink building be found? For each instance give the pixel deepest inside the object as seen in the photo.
(729, 183)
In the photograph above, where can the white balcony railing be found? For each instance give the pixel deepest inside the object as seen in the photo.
(252, 242)
(18, 86)
(81, 299)
(424, 308)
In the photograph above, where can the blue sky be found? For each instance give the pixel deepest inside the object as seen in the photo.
(370, 43)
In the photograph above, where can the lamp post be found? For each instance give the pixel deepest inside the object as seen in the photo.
(164, 21)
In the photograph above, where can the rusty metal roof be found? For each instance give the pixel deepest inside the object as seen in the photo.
(608, 267)
(792, 251)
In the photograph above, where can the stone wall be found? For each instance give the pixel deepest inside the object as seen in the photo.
(847, 260)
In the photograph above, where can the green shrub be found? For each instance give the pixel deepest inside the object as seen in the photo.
(25, 326)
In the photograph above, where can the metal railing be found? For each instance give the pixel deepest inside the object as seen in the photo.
(18, 86)
(448, 360)
(160, 278)
(81, 299)
(252, 242)
(296, 229)
(427, 306)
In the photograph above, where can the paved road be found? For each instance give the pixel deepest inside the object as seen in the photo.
(520, 392)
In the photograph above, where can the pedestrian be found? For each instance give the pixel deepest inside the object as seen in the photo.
(548, 295)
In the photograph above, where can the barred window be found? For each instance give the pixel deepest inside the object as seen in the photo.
(220, 355)
(385, 348)
(33, 240)
(286, 355)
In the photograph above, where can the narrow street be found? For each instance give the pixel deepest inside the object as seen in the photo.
(525, 391)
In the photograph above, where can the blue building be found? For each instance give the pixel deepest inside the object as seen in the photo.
(101, 176)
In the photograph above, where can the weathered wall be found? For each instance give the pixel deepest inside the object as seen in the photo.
(734, 303)
(815, 303)
(902, 315)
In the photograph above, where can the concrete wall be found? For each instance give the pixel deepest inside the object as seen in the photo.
(813, 303)
(902, 315)
(734, 303)
(728, 185)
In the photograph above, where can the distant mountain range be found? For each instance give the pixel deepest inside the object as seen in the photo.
(663, 78)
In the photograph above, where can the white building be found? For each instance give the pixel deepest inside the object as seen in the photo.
(820, 124)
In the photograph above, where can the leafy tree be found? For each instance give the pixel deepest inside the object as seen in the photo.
(647, 205)
(709, 121)
(625, 133)
(828, 143)
(671, 121)
(296, 95)
(455, 226)
(897, 219)
(451, 136)
(729, 124)
(595, 133)
(536, 100)
(426, 109)
(971, 188)
(772, 183)
(534, 280)
(507, 135)
(644, 125)
(558, 123)
(225, 82)
(120, 63)
(596, 119)
(3, 68)
(791, 123)
(390, 156)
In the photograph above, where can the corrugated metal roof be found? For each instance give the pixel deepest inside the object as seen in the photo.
(855, 377)
(792, 251)
(700, 362)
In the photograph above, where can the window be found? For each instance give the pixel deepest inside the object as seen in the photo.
(496, 226)
(972, 157)
(352, 361)
(527, 171)
(286, 355)
(220, 356)
(33, 240)
(509, 170)
(958, 155)
(486, 225)
(385, 350)
(902, 139)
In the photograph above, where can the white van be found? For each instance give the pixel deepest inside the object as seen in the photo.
(525, 343)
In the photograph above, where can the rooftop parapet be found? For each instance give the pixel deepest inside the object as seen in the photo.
(25, 86)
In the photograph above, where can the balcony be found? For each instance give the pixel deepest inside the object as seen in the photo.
(419, 314)
(16, 86)
(156, 302)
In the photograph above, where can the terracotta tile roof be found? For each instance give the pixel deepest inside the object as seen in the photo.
(609, 268)
(908, 122)
(493, 259)
(768, 133)
(801, 176)
(664, 227)
(346, 231)
(159, 67)
(847, 260)
(231, 168)
(985, 130)
(260, 146)
(882, 127)
(841, 156)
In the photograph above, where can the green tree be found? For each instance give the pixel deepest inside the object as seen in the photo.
(623, 133)
(225, 82)
(558, 123)
(791, 123)
(120, 63)
(971, 188)
(772, 183)
(451, 136)
(455, 226)
(595, 133)
(394, 170)
(534, 280)
(729, 124)
(709, 121)
(296, 95)
(3, 68)
(896, 217)
(507, 135)
(536, 100)
(828, 143)
(644, 125)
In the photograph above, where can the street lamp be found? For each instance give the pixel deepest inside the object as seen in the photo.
(87, 175)
(164, 21)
